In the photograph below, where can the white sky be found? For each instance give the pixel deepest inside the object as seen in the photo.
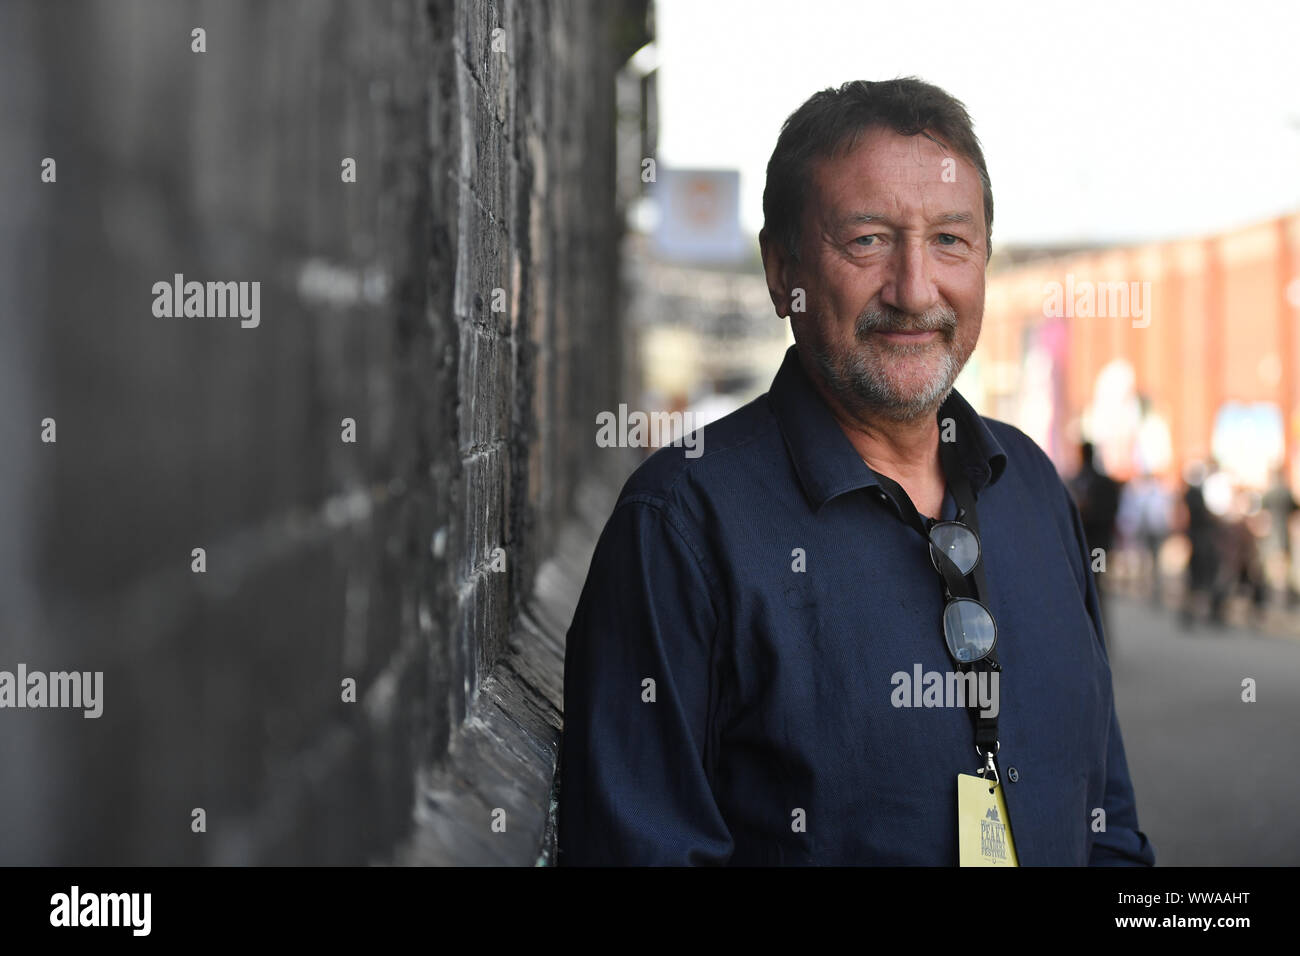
(1100, 121)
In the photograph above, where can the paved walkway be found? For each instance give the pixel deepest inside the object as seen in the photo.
(1217, 779)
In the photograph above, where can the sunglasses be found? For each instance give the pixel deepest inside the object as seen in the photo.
(968, 626)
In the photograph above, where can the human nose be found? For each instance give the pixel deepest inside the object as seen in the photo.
(909, 286)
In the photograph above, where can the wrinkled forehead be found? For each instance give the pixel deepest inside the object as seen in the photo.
(884, 167)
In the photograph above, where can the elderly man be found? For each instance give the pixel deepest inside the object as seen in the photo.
(861, 627)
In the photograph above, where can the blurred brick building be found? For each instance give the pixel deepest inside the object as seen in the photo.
(1221, 329)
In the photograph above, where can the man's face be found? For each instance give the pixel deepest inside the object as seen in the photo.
(892, 256)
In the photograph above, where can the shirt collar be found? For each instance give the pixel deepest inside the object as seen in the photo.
(826, 461)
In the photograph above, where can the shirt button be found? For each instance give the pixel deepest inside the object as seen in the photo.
(1013, 774)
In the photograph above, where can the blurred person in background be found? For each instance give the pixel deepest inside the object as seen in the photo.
(1240, 569)
(1145, 517)
(1097, 496)
(1281, 506)
(1201, 528)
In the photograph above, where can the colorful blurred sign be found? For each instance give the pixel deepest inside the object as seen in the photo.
(699, 216)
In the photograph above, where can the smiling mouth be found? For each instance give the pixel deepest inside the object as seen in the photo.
(909, 335)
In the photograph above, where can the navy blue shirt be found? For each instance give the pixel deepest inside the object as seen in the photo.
(728, 688)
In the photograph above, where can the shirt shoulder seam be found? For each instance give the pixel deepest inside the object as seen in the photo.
(665, 508)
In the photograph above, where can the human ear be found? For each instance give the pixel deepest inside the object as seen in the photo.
(778, 267)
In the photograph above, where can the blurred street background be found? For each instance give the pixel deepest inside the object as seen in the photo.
(1213, 775)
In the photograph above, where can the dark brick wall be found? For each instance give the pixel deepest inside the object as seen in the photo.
(478, 169)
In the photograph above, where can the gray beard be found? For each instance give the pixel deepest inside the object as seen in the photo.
(852, 378)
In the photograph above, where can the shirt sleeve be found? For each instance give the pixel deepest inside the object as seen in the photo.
(1121, 843)
(639, 698)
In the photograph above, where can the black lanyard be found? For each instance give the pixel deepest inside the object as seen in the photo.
(986, 728)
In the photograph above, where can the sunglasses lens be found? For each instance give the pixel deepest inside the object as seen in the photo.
(969, 630)
(958, 543)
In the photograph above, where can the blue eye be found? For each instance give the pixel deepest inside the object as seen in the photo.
(864, 240)
(948, 235)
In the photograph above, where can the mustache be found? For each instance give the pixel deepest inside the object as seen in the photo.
(892, 320)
